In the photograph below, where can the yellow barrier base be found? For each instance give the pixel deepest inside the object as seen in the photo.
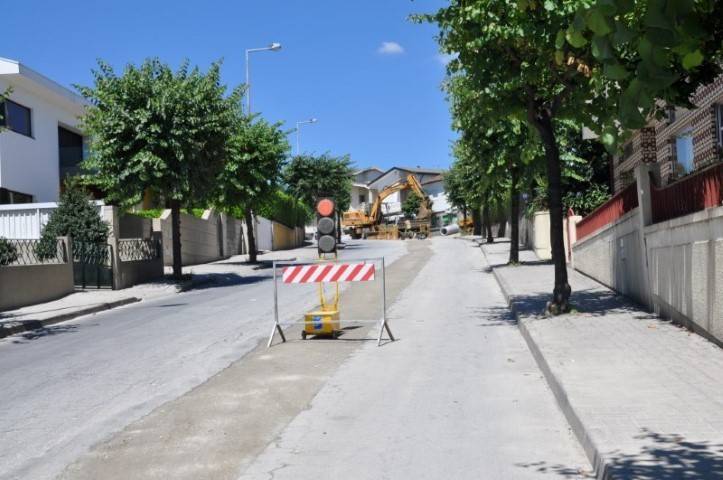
(321, 322)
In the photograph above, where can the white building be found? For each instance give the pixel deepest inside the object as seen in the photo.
(40, 142)
(369, 182)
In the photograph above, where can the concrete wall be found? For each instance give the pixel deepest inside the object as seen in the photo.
(134, 226)
(201, 238)
(285, 238)
(31, 164)
(686, 270)
(127, 274)
(613, 257)
(675, 268)
(22, 285)
(535, 234)
(264, 234)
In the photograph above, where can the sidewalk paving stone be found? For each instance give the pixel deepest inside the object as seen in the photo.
(644, 396)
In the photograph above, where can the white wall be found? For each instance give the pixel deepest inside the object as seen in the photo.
(31, 165)
(440, 203)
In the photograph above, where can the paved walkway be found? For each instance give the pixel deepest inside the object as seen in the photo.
(644, 396)
(458, 396)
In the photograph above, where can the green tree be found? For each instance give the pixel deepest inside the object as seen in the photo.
(411, 205)
(153, 129)
(508, 52)
(257, 151)
(644, 55)
(8, 252)
(309, 178)
(76, 217)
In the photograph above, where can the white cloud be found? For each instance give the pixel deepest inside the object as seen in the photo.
(390, 48)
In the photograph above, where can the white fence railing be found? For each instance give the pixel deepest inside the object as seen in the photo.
(26, 220)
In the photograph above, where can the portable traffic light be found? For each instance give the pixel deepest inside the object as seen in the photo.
(326, 225)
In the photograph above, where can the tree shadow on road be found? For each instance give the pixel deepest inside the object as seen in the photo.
(663, 457)
(216, 280)
(41, 332)
(492, 316)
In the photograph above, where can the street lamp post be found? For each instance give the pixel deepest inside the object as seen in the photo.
(274, 47)
(298, 133)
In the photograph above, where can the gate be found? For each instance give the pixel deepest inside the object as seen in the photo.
(92, 265)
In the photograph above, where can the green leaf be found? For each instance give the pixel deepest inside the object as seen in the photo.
(601, 49)
(549, 5)
(607, 7)
(597, 22)
(616, 72)
(692, 60)
(560, 39)
(575, 38)
(559, 57)
(622, 34)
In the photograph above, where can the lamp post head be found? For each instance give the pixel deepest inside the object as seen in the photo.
(275, 46)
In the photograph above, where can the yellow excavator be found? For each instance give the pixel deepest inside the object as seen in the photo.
(358, 224)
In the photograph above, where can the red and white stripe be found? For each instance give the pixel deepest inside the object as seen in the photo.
(331, 272)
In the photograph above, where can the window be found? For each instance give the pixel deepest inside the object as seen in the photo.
(16, 118)
(670, 116)
(684, 151)
(362, 199)
(70, 148)
(719, 125)
(8, 196)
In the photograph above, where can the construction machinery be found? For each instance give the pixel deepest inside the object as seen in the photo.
(359, 224)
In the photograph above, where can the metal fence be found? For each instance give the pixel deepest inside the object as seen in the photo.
(138, 249)
(31, 252)
(698, 191)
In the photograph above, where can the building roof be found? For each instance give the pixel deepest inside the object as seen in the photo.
(417, 170)
(362, 170)
(41, 85)
(436, 179)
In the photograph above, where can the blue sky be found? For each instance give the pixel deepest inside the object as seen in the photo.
(379, 102)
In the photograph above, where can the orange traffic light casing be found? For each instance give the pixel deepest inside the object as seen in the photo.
(326, 225)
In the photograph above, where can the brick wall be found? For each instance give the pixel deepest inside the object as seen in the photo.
(656, 143)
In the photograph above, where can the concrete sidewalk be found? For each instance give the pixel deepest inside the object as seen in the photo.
(643, 396)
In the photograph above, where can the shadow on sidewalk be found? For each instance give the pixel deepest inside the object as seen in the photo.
(587, 302)
(665, 457)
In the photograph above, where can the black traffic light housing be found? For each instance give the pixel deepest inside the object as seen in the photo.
(326, 225)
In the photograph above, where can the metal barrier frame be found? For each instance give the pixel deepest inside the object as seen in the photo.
(383, 323)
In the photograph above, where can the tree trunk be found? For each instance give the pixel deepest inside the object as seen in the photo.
(502, 227)
(561, 292)
(176, 239)
(251, 240)
(338, 227)
(515, 216)
(476, 222)
(487, 223)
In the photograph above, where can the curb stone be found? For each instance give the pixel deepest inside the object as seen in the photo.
(28, 325)
(596, 459)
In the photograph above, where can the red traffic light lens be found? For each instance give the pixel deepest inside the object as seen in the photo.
(325, 207)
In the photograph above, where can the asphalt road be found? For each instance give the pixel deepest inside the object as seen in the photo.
(75, 384)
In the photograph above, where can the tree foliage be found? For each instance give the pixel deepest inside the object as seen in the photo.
(309, 178)
(411, 205)
(76, 217)
(158, 130)
(8, 252)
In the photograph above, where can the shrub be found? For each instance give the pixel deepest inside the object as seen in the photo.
(77, 217)
(285, 209)
(8, 252)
